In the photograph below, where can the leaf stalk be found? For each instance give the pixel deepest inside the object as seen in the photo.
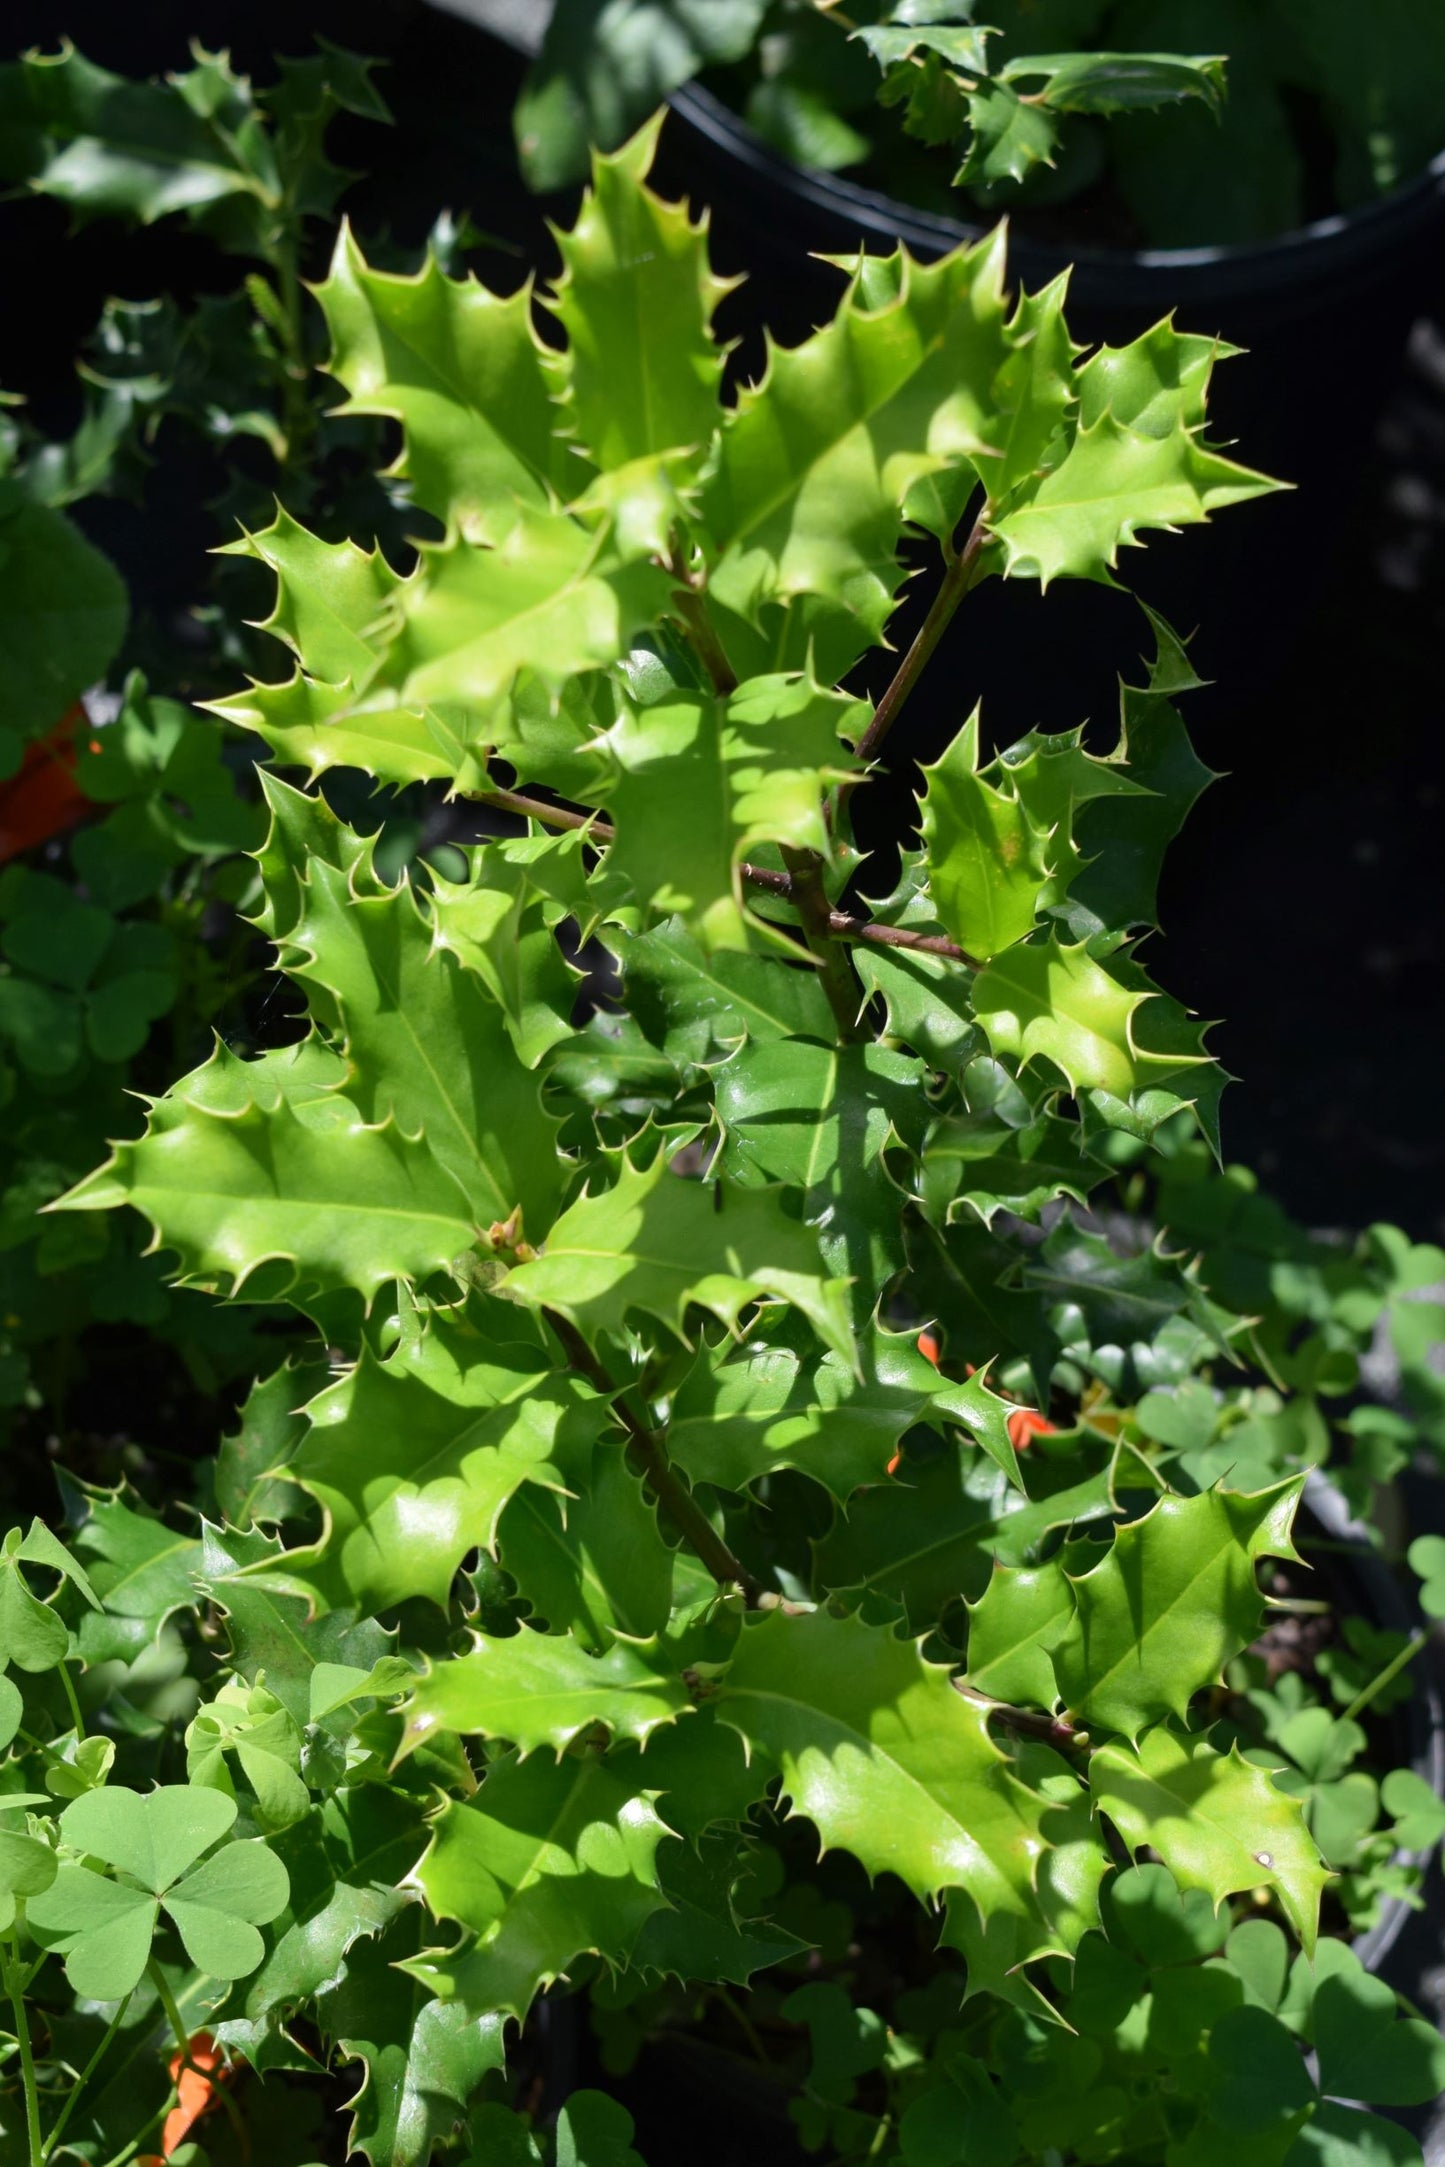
(14, 1984)
(842, 925)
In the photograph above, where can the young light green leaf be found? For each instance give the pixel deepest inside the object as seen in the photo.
(1072, 521)
(878, 1750)
(988, 864)
(630, 261)
(758, 767)
(428, 1047)
(817, 460)
(465, 374)
(1218, 1823)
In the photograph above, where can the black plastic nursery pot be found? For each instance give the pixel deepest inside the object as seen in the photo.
(1322, 312)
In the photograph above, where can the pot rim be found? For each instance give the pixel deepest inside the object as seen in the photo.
(1318, 249)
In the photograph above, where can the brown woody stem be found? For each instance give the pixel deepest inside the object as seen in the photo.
(673, 1496)
(963, 570)
(1055, 1731)
(841, 924)
(809, 900)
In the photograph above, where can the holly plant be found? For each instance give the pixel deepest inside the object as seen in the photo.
(685, 1548)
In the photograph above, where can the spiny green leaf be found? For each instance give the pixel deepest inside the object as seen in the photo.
(923, 1540)
(589, 1559)
(428, 1048)
(537, 1689)
(336, 605)
(317, 727)
(758, 765)
(816, 461)
(1175, 1597)
(1012, 1628)
(1217, 1822)
(1052, 1001)
(878, 1750)
(988, 863)
(422, 2060)
(412, 1459)
(777, 1401)
(1008, 137)
(700, 1936)
(1114, 480)
(550, 597)
(500, 923)
(553, 1858)
(635, 276)
(655, 1243)
(818, 1118)
(284, 1176)
(697, 1007)
(347, 1865)
(142, 1571)
(107, 145)
(464, 373)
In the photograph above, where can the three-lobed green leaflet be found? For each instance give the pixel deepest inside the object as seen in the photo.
(604, 1299)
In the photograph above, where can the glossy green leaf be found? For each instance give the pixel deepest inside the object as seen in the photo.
(553, 1858)
(816, 461)
(758, 767)
(987, 862)
(1175, 1597)
(632, 260)
(887, 1761)
(1217, 1822)
(464, 373)
(536, 1689)
(1013, 1628)
(422, 2060)
(283, 1175)
(413, 1459)
(655, 1243)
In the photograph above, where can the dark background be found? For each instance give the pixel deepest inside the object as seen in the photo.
(1302, 903)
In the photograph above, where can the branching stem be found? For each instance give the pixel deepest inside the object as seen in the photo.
(843, 925)
(845, 997)
(962, 572)
(1055, 1731)
(676, 1500)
